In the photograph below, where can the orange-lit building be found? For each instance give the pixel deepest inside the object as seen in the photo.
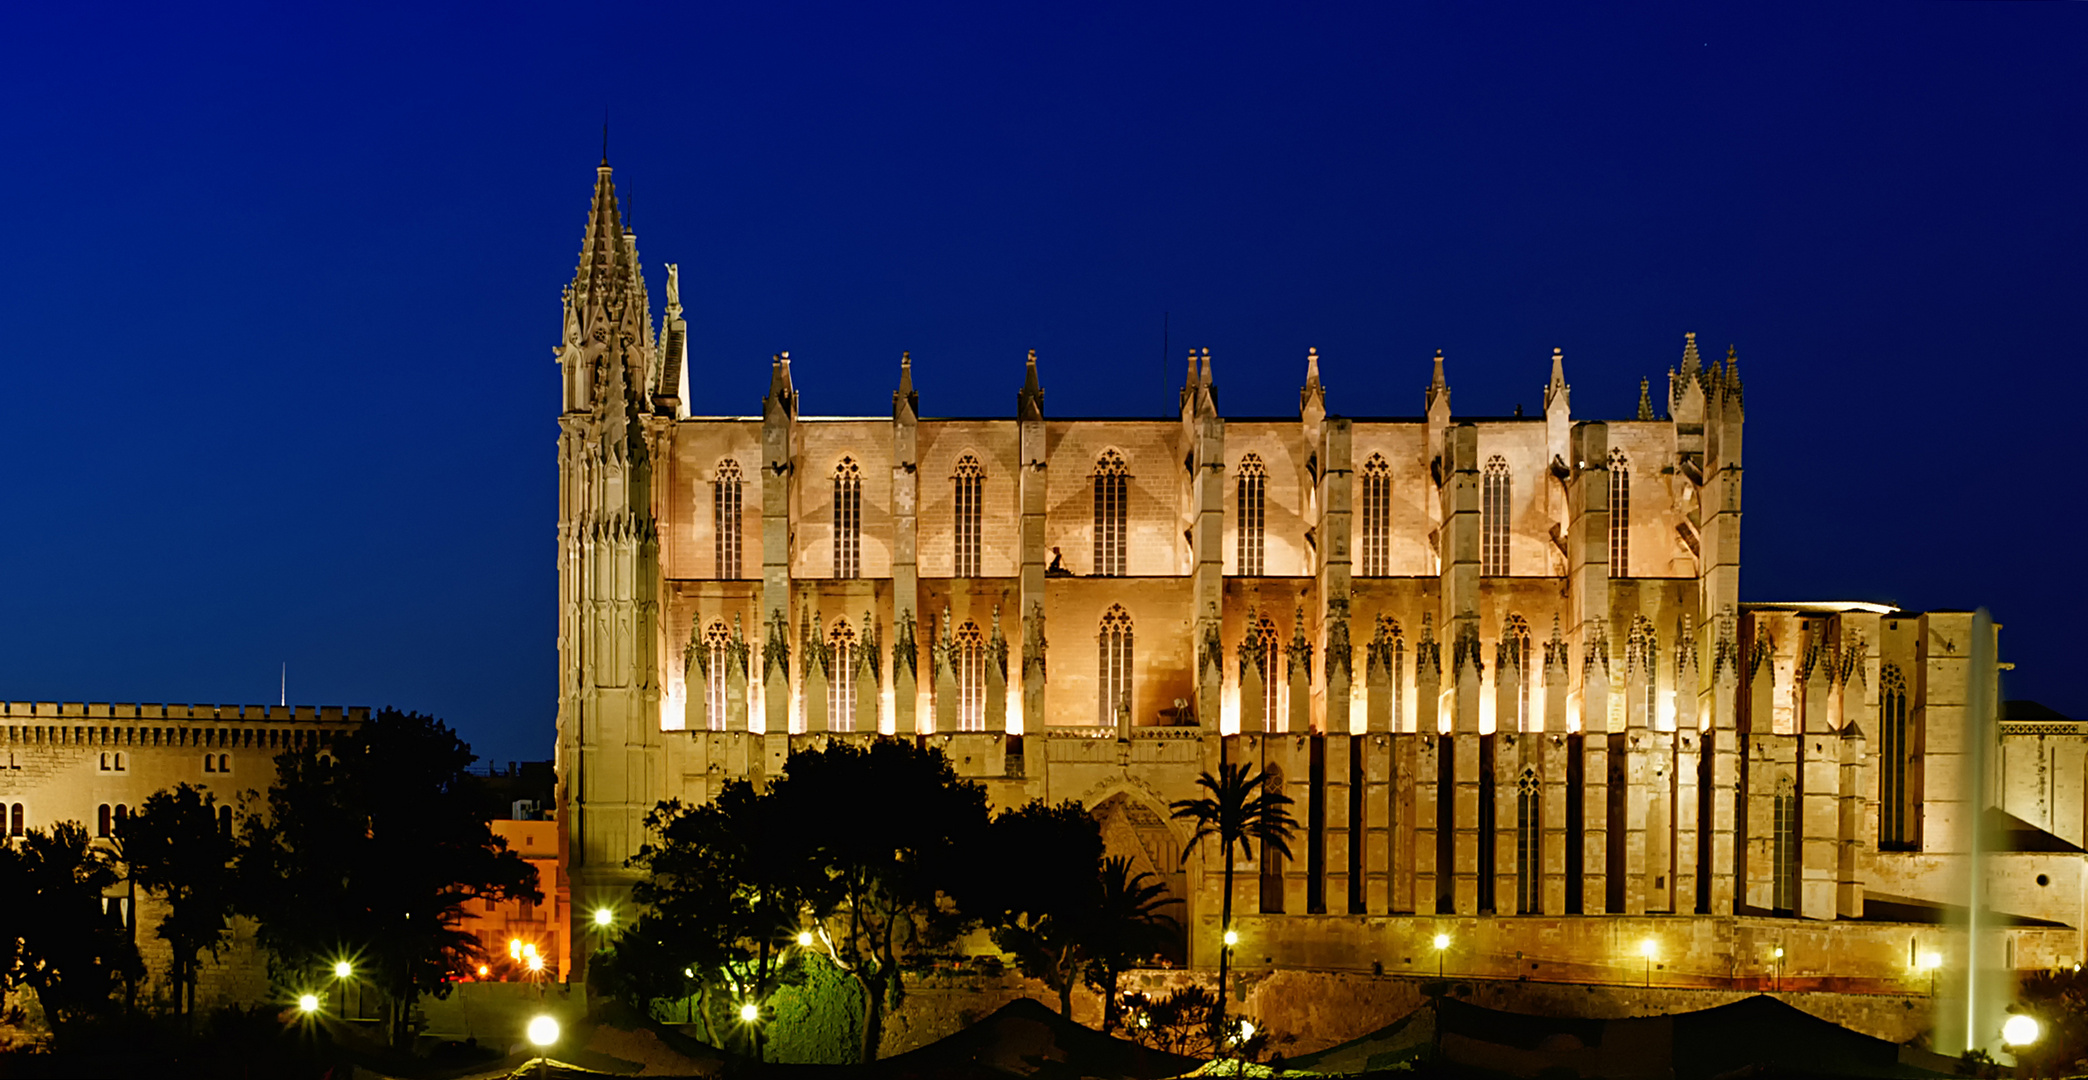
(511, 931)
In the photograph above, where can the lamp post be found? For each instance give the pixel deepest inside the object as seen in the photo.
(341, 971)
(1646, 949)
(1778, 984)
(1930, 962)
(542, 1032)
(1442, 945)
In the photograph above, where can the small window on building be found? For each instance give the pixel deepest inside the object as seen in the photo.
(17, 827)
(104, 820)
(1493, 518)
(122, 817)
(725, 519)
(841, 696)
(224, 763)
(210, 763)
(105, 762)
(968, 487)
(848, 519)
(224, 821)
(1377, 517)
(1253, 489)
(1112, 484)
(1619, 515)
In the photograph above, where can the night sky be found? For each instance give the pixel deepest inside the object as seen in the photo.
(283, 285)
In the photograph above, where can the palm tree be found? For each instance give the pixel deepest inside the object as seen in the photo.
(1126, 926)
(1239, 809)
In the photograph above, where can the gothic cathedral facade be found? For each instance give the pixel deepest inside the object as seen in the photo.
(1502, 665)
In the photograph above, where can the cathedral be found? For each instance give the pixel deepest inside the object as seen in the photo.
(1502, 664)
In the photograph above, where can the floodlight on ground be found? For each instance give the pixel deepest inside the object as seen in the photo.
(1232, 938)
(603, 916)
(342, 969)
(749, 1013)
(2020, 1030)
(804, 939)
(542, 1031)
(307, 1003)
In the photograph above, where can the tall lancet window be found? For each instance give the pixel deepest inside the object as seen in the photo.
(1253, 484)
(848, 519)
(1377, 517)
(1515, 664)
(1113, 670)
(716, 642)
(841, 696)
(1620, 515)
(968, 485)
(725, 519)
(1112, 484)
(1271, 668)
(1895, 755)
(1493, 518)
(969, 659)
(1528, 826)
(1784, 857)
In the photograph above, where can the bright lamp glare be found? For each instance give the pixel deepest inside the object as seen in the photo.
(749, 1013)
(2020, 1030)
(341, 969)
(804, 939)
(308, 1003)
(1232, 937)
(1647, 948)
(1246, 1029)
(1442, 941)
(514, 948)
(1931, 961)
(603, 916)
(543, 1031)
(536, 963)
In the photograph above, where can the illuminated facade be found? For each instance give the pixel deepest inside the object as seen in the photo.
(1501, 664)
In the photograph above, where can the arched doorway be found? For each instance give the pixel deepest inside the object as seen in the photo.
(1136, 830)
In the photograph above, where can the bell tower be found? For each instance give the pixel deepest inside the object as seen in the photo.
(608, 565)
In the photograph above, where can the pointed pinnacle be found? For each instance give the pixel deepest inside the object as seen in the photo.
(1645, 409)
(1436, 381)
(1206, 368)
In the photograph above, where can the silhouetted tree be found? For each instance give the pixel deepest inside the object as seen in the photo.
(1239, 809)
(1124, 928)
(61, 941)
(1035, 882)
(175, 845)
(369, 849)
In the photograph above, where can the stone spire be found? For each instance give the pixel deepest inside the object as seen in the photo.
(906, 404)
(1312, 400)
(1645, 409)
(1732, 374)
(781, 401)
(1438, 388)
(1556, 389)
(1029, 402)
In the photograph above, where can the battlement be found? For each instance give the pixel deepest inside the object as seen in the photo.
(47, 711)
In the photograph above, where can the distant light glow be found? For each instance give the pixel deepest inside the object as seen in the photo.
(1232, 937)
(749, 1013)
(1779, 952)
(536, 964)
(804, 939)
(484, 971)
(1442, 941)
(342, 970)
(1246, 1030)
(542, 1031)
(308, 1003)
(603, 916)
(1931, 961)
(514, 948)
(1648, 949)
(2020, 1030)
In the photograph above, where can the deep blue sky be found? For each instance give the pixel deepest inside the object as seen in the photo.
(283, 285)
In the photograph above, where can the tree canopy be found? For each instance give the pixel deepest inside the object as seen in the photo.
(178, 845)
(59, 938)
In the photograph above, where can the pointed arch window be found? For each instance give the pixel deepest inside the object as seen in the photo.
(1493, 518)
(968, 485)
(1112, 484)
(848, 519)
(1377, 517)
(1619, 515)
(717, 642)
(841, 663)
(1528, 831)
(1113, 673)
(725, 519)
(1515, 664)
(1895, 759)
(1252, 484)
(1785, 855)
(969, 659)
(1269, 651)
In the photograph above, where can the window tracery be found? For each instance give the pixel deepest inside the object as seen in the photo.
(725, 519)
(1493, 518)
(848, 519)
(1113, 671)
(1252, 485)
(1377, 517)
(1111, 491)
(968, 485)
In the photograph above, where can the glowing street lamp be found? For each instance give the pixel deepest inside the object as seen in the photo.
(1778, 955)
(342, 969)
(804, 939)
(1647, 949)
(603, 917)
(1232, 938)
(2020, 1030)
(749, 1013)
(1442, 945)
(308, 1003)
(542, 1032)
(1930, 962)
